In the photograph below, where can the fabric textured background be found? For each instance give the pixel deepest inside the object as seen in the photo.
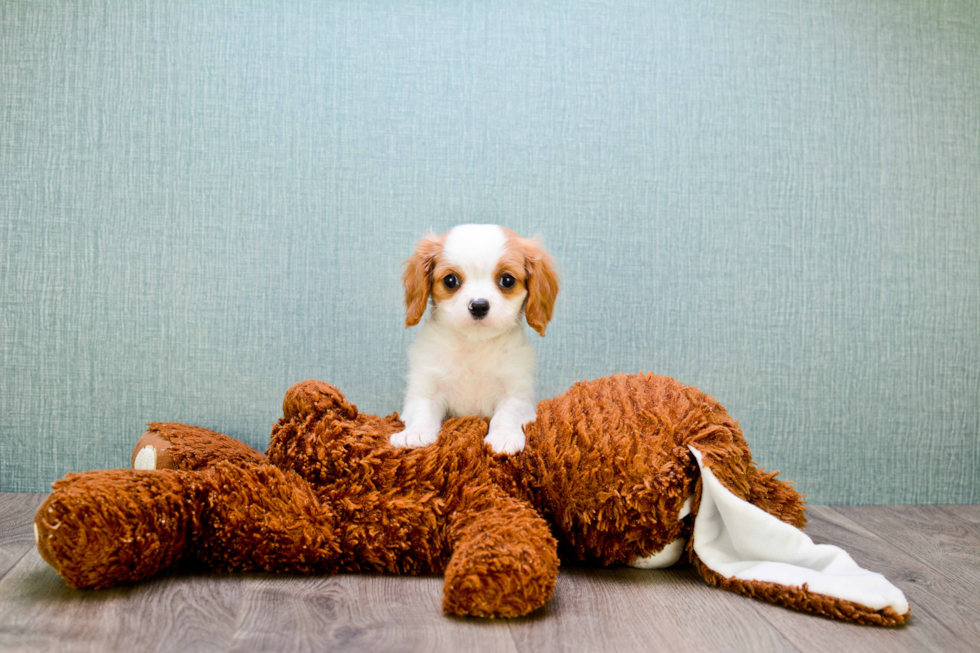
(779, 202)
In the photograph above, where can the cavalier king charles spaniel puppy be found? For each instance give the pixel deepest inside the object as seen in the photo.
(471, 356)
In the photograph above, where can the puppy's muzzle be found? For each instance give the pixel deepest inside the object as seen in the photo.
(479, 308)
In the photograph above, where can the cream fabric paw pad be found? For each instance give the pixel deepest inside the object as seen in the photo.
(146, 458)
(666, 557)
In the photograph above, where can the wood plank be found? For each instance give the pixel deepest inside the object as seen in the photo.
(16, 527)
(365, 612)
(38, 612)
(931, 553)
(937, 621)
(813, 633)
(965, 513)
(947, 544)
(626, 609)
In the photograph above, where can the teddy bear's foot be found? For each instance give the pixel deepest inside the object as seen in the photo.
(504, 562)
(668, 556)
(105, 528)
(168, 445)
(673, 551)
(507, 579)
(501, 587)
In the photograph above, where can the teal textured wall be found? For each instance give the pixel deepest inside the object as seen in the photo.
(203, 203)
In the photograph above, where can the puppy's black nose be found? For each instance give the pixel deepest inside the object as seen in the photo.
(479, 308)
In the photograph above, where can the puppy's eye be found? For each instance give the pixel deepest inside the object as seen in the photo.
(507, 281)
(450, 281)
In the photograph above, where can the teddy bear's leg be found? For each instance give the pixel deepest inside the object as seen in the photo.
(673, 551)
(103, 528)
(168, 445)
(504, 561)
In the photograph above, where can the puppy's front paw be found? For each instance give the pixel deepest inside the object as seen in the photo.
(411, 438)
(504, 440)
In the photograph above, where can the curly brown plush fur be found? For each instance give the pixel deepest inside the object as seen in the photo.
(603, 477)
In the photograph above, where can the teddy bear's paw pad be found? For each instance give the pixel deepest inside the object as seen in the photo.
(666, 557)
(155, 447)
(412, 438)
(146, 458)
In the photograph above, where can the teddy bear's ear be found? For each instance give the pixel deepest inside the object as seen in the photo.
(315, 398)
(417, 278)
(746, 550)
(542, 285)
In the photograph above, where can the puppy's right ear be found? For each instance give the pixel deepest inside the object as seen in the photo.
(418, 278)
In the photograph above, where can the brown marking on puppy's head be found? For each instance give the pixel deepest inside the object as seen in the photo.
(417, 278)
(533, 268)
(441, 270)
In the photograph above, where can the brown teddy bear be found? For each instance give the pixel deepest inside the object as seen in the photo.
(627, 469)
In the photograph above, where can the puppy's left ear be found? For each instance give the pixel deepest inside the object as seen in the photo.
(542, 285)
(418, 278)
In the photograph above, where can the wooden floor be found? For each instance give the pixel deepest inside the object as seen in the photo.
(931, 552)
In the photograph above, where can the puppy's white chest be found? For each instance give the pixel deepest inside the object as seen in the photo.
(466, 377)
(473, 384)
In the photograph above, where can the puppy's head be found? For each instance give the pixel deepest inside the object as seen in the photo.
(480, 278)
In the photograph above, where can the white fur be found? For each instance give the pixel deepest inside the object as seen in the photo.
(463, 366)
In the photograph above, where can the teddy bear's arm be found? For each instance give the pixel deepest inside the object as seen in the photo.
(106, 528)
(169, 445)
(504, 561)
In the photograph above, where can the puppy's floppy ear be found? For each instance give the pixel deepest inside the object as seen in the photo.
(542, 285)
(417, 278)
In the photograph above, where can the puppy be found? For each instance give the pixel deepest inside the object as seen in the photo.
(471, 356)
